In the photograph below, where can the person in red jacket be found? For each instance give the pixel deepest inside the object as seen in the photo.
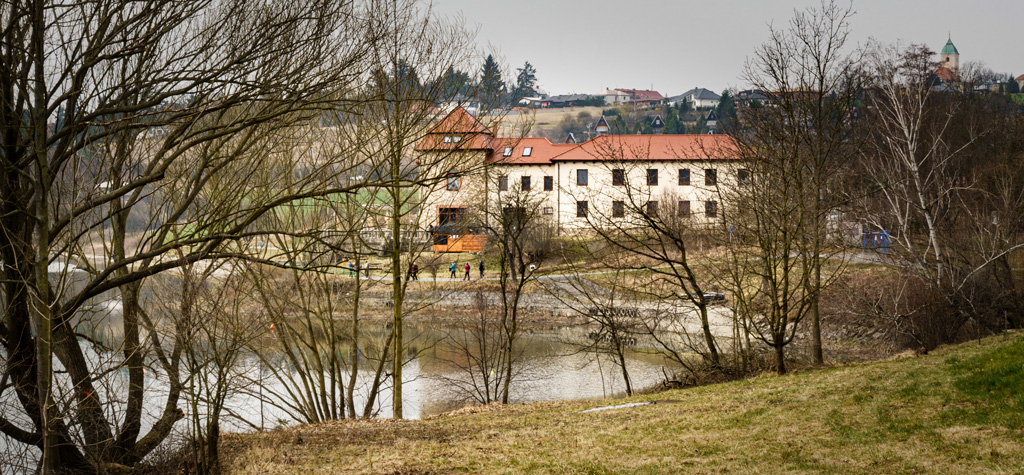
(467, 271)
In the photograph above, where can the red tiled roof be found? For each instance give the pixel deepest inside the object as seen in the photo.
(643, 94)
(652, 147)
(473, 134)
(1020, 78)
(541, 153)
(601, 148)
(945, 74)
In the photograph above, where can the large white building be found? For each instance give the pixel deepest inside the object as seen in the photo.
(577, 186)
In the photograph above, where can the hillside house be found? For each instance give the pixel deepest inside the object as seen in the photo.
(697, 97)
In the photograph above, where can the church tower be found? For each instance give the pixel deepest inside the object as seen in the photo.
(949, 57)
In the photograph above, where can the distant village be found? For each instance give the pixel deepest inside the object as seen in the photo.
(700, 110)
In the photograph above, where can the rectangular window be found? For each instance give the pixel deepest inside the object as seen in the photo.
(743, 176)
(618, 177)
(527, 151)
(524, 183)
(452, 138)
(453, 181)
(549, 210)
(449, 215)
(581, 209)
(503, 183)
(652, 177)
(549, 183)
(684, 176)
(710, 177)
(711, 209)
(618, 209)
(652, 208)
(684, 209)
(581, 177)
(508, 152)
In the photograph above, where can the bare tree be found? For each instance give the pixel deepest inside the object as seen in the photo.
(802, 141)
(141, 124)
(935, 157)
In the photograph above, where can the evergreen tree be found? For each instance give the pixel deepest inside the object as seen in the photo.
(726, 110)
(453, 84)
(671, 120)
(526, 80)
(492, 87)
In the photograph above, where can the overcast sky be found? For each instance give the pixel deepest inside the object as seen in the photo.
(586, 46)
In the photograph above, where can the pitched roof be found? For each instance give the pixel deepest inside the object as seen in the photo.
(700, 93)
(473, 135)
(541, 151)
(1020, 78)
(459, 121)
(949, 48)
(643, 94)
(615, 148)
(600, 148)
(652, 148)
(945, 74)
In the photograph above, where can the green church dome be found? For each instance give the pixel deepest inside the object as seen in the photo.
(949, 48)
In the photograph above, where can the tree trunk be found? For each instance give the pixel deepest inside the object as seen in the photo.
(709, 339)
(396, 292)
(817, 355)
(780, 356)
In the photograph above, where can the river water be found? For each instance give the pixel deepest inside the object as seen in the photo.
(553, 365)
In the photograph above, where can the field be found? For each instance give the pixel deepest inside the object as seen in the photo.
(959, 409)
(542, 119)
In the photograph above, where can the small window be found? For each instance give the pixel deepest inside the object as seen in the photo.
(743, 176)
(549, 183)
(581, 177)
(452, 138)
(711, 209)
(684, 176)
(453, 181)
(710, 177)
(684, 209)
(581, 209)
(508, 152)
(503, 183)
(652, 208)
(652, 177)
(618, 209)
(549, 210)
(527, 151)
(524, 183)
(618, 177)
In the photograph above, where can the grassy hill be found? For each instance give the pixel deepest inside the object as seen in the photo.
(959, 409)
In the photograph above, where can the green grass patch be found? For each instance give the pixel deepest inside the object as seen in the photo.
(956, 410)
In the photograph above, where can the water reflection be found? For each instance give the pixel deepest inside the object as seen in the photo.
(550, 368)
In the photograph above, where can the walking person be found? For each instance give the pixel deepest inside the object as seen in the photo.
(452, 269)
(415, 272)
(467, 271)
(481, 266)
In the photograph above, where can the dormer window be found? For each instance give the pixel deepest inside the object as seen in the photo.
(508, 152)
(452, 138)
(527, 151)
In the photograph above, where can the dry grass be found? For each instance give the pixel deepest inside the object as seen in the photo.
(957, 410)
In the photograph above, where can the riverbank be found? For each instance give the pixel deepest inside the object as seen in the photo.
(959, 409)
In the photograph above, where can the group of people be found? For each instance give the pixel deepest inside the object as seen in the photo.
(415, 270)
(454, 268)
